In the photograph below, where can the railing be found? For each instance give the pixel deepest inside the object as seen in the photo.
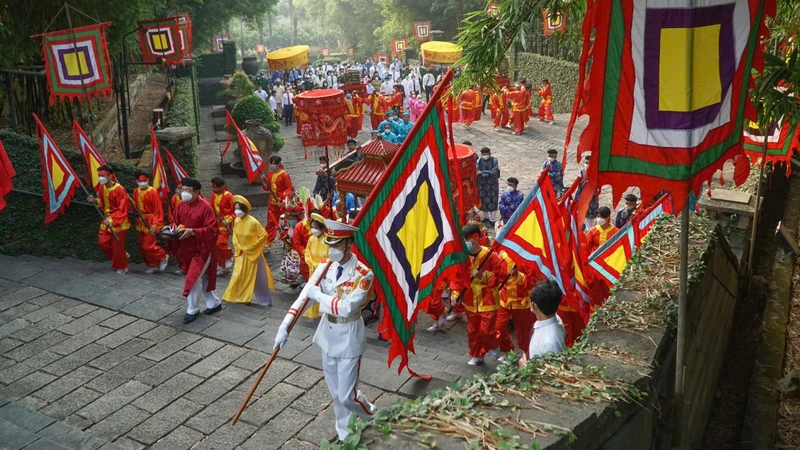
(555, 46)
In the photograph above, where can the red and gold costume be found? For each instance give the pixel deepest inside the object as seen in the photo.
(499, 106)
(477, 106)
(355, 115)
(573, 323)
(519, 109)
(546, 105)
(395, 101)
(598, 290)
(113, 201)
(198, 250)
(279, 185)
(302, 233)
(515, 304)
(223, 207)
(598, 236)
(149, 204)
(361, 108)
(467, 102)
(480, 302)
(377, 109)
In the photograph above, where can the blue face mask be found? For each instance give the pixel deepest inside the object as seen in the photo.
(292, 223)
(469, 246)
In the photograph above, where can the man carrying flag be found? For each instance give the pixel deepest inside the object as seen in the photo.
(341, 288)
(222, 202)
(148, 202)
(112, 199)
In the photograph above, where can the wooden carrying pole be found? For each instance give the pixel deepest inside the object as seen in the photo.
(275, 352)
(461, 294)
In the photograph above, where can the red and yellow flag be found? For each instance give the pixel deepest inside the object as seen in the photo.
(6, 173)
(251, 159)
(159, 177)
(59, 179)
(91, 156)
(178, 172)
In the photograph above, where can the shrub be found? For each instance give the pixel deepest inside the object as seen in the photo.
(252, 107)
(74, 233)
(183, 114)
(226, 95)
(241, 84)
(563, 76)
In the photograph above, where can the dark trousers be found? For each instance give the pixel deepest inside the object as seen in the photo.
(428, 93)
(483, 104)
(288, 114)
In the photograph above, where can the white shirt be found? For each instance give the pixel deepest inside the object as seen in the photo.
(281, 92)
(288, 98)
(386, 88)
(272, 103)
(429, 79)
(262, 94)
(548, 336)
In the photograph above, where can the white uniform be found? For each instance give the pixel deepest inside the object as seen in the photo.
(340, 334)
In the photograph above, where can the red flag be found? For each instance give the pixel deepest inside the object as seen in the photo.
(59, 179)
(159, 173)
(91, 156)
(643, 222)
(6, 173)
(251, 159)
(229, 122)
(175, 168)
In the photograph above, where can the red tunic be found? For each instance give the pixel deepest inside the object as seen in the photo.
(396, 100)
(279, 184)
(598, 236)
(149, 204)
(113, 202)
(198, 250)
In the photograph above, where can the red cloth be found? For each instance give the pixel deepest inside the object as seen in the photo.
(523, 328)
(223, 207)
(395, 101)
(467, 102)
(114, 249)
(595, 237)
(546, 112)
(573, 325)
(149, 204)
(482, 333)
(273, 213)
(152, 254)
(6, 173)
(302, 232)
(519, 109)
(198, 250)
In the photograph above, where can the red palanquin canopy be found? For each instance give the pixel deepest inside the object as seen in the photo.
(360, 178)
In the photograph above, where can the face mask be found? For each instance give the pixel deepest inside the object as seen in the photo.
(469, 246)
(600, 221)
(485, 157)
(552, 160)
(322, 166)
(630, 208)
(316, 232)
(239, 213)
(143, 184)
(102, 180)
(186, 196)
(292, 223)
(510, 189)
(586, 166)
(335, 255)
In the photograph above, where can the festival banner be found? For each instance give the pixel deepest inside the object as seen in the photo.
(261, 50)
(59, 179)
(553, 22)
(159, 177)
(251, 159)
(6, 174)
(159, 41)
(492, 10)
(534, 236)
(326, 52)
(409, 229)
(667, 91)
(422, 31)
(77, 69)
(351, 53)
(782, 138)
(399, 47)
(609, 261)
(91, 156)
(185, 33)
(645, 220)
(575, 241)
(218, 39)
(378, 57)
(175, 168)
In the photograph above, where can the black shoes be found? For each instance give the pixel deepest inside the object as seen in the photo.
(189, 318)
(213, 310)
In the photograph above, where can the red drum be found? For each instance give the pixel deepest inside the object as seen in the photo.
(321, 118)
(467, 165)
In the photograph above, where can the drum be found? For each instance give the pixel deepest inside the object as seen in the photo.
(467, 166)
(321, 118)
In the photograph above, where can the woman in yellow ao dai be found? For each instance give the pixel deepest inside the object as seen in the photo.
(316, 250)
(251, 280)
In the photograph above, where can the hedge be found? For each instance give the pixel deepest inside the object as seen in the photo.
(74, 233)
(563, 76)
(183, 114)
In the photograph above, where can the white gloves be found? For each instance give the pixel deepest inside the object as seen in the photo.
(314, 293)
(280, 338)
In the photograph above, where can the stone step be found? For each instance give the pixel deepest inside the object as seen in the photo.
(218, 111)
(219, 124)
(220, 135)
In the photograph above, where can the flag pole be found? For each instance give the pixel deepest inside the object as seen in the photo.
(754, 228)
(78, 62)
(680, 357)
(102, 216)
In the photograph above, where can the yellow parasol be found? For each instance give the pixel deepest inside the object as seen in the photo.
(440, 53)
(288, 58)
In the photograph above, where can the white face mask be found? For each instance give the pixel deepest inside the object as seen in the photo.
(335, 255)
(239, 213)
(102, 180)
(143, 184)
(510, 189)
(272, 167)
(486, 157)
(600, 221)
(316, 232)
(586, 166)
(322, 166)
(186, 196)
(551, 159)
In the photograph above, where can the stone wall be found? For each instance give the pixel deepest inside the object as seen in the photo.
(628, 347)
(108, 126)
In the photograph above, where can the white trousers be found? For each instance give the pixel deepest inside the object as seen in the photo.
(341, 374)
(199, 290)
(491, 215)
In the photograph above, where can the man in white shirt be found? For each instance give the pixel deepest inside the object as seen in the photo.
(261, 93)
(288, 108)
(548, 330)
(279, 100)
(273, 104)
(428, 81)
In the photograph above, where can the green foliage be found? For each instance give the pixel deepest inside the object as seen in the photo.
(252, 107)
(73, 234)
(226, 95)
(563, 76)
(241, 84)
(211, 65)
(183, 114)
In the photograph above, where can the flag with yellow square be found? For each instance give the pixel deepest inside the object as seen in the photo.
(160, 40)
